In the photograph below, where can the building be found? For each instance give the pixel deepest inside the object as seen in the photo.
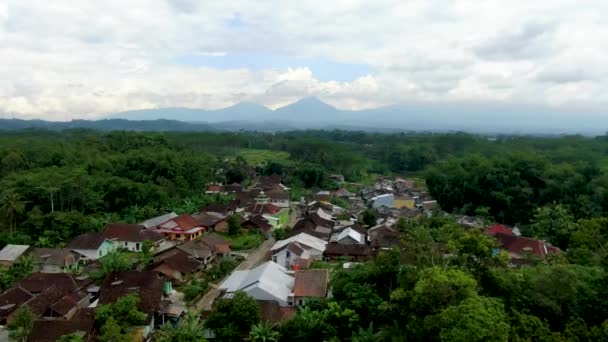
(257, 223)
(220, 246)
(279, 197)
(11, 253)
(199, 250)
(156, 221)
(276, 216)
(11, 300)
(322, 196)
(181, 228)
(212, 221)
(178, 267)
(310, 285)
(147, 285)
(404, 202)
(335, 251)
(267, 282)
(54, 260)
(91, 246)
(298, 250)
(520, 248)
(131, 236)
(384, 200)
(52, 330)
(348, 236)
(383, 237)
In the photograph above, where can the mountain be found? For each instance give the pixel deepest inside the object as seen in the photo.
(248, 111)
(308, 108)
(106, 125)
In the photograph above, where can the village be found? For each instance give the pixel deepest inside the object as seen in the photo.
(278, 250)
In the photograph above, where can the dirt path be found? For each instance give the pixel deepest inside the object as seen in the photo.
(255, 258)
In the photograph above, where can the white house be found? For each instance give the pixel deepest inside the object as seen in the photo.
(301, 247)
(267, 282)
(349, 236)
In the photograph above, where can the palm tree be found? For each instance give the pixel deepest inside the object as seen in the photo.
(190, 328)
(43, 242)
(11, 205)
(367, 335)
(263, 332)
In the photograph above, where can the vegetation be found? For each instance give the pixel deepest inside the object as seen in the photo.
(116, 320)
(244, 241)
(189, 329)
(231, 318)
(21, 325)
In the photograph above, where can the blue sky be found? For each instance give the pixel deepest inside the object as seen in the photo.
(69, 59)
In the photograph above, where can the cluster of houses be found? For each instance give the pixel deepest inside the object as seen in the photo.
(397, 193)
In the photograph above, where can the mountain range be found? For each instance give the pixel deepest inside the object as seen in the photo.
(312, 113)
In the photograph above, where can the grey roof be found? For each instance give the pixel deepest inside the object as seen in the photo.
(12, 252)
(155, 221)
(267, 280)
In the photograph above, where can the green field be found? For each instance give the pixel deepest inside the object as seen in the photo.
(244, 241)
(255, 156)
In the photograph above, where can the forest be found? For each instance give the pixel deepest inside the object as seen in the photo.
(55, 185)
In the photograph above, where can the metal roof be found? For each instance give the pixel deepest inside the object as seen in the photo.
(12, 252)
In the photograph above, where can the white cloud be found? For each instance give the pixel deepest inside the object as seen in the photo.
(72, 59)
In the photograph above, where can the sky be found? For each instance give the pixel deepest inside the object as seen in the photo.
(66, 59)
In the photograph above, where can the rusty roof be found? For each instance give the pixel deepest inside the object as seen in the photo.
(311, 283)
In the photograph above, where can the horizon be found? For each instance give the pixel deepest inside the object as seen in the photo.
(87, 60)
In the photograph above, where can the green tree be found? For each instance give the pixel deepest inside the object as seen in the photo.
(146, 252)
(75, 337)
(369, 217)
(263, 332)
(189, 329)
(439, 288)
(475, 319)
(21, 325)
(555, 224)
(234, 224)
(11, 206)
(230, 318)
(116, 319)
(115, 261)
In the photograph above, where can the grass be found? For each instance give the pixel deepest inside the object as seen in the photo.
(330, 265)
(256, 156)
(244, 241)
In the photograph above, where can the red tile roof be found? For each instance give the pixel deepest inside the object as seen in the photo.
(147, 285)
(52, 330)
(217, 242)
(311, 283)
(87, 241)
(257, 221)
(186, 222)
(12, 299)
(521, 245)
(272, 312)
(499, 228)
(214, 188)
(182, 262)
(261, 209)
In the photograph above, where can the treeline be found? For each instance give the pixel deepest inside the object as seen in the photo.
(63, 183)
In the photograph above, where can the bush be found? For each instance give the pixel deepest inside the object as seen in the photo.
(194, 289)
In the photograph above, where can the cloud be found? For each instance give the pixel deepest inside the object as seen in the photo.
(87, 58)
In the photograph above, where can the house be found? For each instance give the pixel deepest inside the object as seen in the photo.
(52, 330)
(257, 223)
(131, 236)
(212, 221)
(335, 251)
(385, 200)
(273, 313)
(322, 196)
(11, 253)
(179, 266)
(147, 285)
(54, 260)
(336, 178)
(499, 229)
(267, 282)
(297, 249)
(520, 247)
(348, 236)
(199, 250)
(344, 193)
(182, 228)
(310, 285)
(54, 295)
(221, 209)
(383, 236)
(233, 188)
(156, 221)
(404, 202)
(11, 300)
(279, 197)
(220, 246)
(213, 189)
(91, 246)
(275, 215)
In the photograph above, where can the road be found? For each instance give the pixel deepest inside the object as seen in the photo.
(255, 258)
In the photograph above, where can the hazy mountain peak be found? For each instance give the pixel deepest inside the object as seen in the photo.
(307, 105)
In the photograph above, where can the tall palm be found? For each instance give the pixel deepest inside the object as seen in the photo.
(190, 328)
(11, 205)
(43, 242)
(263, 332)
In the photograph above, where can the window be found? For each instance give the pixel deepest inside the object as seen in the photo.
(100, 253)
(300, 302)
(126, 243)
(137, 246)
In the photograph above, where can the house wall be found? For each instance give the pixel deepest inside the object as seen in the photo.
(348, 241)
(404, 203)
(129, 245)
(45, 268)
(285, 258)
(221, 226)
(280, 203)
